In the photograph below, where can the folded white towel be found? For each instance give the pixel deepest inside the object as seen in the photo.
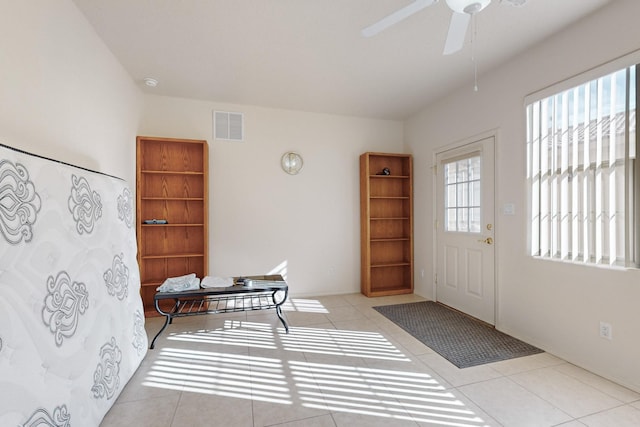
(216, 282)
(180, 283)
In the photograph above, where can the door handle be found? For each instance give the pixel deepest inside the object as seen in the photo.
(488, 241)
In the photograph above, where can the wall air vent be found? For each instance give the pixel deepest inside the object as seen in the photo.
(228, 126)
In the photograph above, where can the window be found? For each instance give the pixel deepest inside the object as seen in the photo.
(581, 150)
(462, 194)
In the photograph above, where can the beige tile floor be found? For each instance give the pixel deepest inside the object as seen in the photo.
(343, 364)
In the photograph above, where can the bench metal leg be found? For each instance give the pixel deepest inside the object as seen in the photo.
(168, 319)
(284, 322)
(279, 308)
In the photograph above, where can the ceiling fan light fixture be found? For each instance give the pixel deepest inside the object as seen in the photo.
(515, 3)
(473, 8)
(469, 7)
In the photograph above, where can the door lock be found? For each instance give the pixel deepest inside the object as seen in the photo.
(488, 241)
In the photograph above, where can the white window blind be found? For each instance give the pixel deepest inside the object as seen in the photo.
(581, 148)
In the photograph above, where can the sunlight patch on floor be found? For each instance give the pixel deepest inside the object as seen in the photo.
(223, 374)
(387, 393)
(390, 393)
(239, 333)
(339, 342)
(304, 305)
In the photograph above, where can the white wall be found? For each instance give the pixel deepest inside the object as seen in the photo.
(62, 93)
(262, 218)
(553, 305)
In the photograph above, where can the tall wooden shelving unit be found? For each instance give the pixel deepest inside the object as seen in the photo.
(172, 185)
(386, 219)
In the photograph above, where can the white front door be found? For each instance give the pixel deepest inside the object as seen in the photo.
(465, 276)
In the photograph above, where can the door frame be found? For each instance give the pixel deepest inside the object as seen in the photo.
(495, 133)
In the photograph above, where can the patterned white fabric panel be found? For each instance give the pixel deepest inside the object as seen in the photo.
(71, 318)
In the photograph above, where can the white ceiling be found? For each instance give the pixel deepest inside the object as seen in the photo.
(309, 55)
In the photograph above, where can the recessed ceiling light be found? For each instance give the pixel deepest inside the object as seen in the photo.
(150, 82)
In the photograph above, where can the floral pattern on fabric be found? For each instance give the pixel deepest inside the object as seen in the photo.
(125, 207)
(117, 278)
(139, 333)
(85, 205)
(42, 418)
(106, 377)
(19, 203)
(63, 305)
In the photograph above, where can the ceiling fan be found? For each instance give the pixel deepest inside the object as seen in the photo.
(463, 10)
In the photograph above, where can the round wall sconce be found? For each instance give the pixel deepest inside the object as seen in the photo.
(291, 162)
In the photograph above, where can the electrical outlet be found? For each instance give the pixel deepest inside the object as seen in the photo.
(606, 331)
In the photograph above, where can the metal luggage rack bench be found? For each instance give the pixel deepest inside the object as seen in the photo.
(247, 294)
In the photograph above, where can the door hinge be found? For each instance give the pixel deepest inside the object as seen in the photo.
(435, 278)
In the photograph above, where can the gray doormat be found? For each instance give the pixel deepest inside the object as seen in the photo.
(458, 338)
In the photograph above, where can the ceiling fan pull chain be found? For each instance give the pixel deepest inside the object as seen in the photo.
(473, 51)
(475, 77)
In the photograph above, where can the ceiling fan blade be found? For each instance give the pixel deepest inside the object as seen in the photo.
(457, 32)
(397, 16)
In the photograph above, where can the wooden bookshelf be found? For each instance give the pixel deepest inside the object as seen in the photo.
(172, 185)
(386, 220)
